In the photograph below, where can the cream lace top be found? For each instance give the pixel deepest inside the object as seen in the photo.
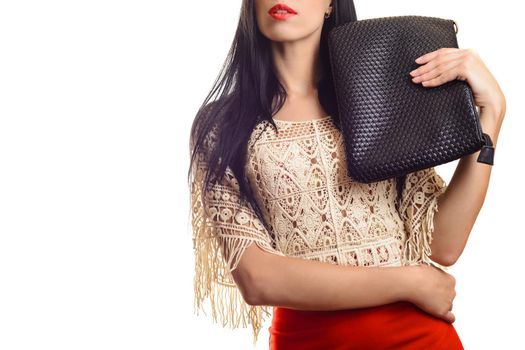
(316, 212)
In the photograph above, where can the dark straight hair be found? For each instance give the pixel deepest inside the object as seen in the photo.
(246, 92)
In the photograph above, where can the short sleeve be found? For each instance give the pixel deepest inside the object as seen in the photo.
(417, 206)
(223, 228)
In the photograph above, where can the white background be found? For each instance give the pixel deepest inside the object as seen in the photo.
(96, 103)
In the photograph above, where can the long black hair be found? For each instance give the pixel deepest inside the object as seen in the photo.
(246, 92)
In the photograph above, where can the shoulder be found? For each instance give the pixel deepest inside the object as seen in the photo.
(262, 131)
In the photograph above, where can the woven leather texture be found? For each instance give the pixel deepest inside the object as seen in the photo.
(391, 125)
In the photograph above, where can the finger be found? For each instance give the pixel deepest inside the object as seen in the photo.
(439, 75)
(447, 76)
(426, 57)
(439, 80)
(434, 68)
(431, 55)
(449, 317)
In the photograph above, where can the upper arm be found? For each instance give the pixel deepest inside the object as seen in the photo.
(233, 227)
(417, 206)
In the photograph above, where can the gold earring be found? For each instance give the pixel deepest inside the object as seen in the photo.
(327, 14)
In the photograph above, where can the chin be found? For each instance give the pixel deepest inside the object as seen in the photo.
(284, 34)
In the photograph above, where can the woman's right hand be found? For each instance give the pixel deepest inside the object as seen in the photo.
(432, 290)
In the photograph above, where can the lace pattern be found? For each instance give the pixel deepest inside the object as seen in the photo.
(314, 209)
(222, 230)
(419, 203)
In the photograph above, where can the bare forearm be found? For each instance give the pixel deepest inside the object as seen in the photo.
(312, 285)
(461, 203)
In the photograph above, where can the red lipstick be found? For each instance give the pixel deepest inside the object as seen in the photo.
(281, 12)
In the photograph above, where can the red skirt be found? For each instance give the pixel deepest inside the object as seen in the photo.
(400, 325)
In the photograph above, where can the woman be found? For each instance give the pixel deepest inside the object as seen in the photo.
(342, 264)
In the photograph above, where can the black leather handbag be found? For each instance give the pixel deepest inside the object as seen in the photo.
(392, 126)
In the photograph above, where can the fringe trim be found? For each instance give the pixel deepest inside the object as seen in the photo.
(213, 279)
(214, 282)
(416, 249)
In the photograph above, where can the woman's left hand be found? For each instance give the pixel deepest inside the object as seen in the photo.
(446, 64)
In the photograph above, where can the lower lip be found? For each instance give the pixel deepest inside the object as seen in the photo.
(282, 16)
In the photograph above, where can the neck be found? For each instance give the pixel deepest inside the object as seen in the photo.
(297, 64)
